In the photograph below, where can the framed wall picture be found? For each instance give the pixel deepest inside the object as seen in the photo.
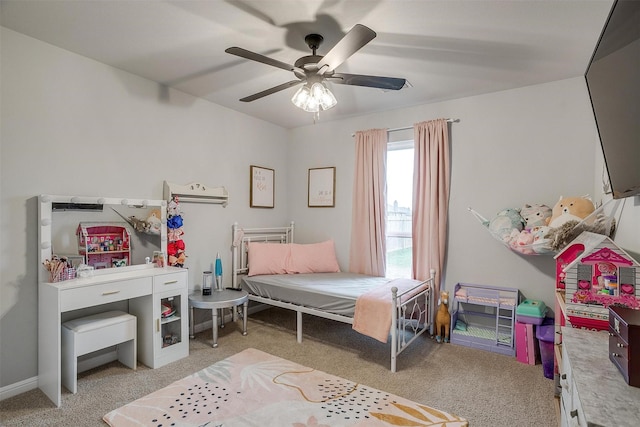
(262, 190)
(322, 187)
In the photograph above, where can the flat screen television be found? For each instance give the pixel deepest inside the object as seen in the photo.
(613, 81)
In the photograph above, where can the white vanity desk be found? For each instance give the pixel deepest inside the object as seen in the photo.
(145, 288)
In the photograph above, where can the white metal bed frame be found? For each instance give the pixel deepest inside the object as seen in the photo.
(405, 328)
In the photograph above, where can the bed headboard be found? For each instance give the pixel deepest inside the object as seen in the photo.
(241, 238)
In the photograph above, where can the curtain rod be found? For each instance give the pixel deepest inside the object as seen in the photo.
(411, 127)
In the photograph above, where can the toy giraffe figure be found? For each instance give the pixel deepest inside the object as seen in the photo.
(443, 318)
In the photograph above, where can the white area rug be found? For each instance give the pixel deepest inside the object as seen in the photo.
(253, 388)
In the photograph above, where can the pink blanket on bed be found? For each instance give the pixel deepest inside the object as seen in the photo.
(372, 316)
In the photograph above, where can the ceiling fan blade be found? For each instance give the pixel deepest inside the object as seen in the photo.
(352, 42)
(389, 83)
(243, 53)
(272, 90)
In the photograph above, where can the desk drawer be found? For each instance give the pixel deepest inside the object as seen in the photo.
(170, 282)
(90, 295)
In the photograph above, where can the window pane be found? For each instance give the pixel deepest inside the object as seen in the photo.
(399, 201)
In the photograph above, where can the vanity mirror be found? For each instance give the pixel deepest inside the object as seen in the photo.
(61, 216)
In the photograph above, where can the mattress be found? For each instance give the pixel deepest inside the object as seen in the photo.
(331, 292)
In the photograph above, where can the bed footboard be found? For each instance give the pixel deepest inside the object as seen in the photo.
(411, 317)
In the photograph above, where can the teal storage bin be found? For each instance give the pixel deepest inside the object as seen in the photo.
(531, 311)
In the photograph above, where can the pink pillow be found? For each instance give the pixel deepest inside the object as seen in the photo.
(314, 258)
(268, 258)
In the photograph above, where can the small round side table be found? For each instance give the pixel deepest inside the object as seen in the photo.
(225, 298)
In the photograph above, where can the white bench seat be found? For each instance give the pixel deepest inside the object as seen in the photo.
(91, 333)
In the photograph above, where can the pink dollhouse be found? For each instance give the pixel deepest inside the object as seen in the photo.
(595, 273)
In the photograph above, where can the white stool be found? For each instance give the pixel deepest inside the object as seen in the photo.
(87, 334)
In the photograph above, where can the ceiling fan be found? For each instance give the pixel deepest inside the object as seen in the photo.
(313, 70)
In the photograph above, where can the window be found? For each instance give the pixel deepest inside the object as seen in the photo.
(584, 272)
(399, 202)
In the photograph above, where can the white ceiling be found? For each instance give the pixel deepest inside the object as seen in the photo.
(445, 49)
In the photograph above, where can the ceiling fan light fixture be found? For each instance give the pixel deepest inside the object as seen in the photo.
(315, 98)
(327, 100)
(301, 97)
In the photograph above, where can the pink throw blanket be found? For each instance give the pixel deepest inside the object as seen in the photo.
(372, 316)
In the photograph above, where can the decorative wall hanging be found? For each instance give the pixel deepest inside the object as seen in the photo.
(322, 188)
(262, 189)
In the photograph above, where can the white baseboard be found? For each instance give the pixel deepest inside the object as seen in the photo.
(18, 388)
(32, 383)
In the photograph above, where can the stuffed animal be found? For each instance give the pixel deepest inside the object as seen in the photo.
(560, 237)
(535, 215)
(153, 221)
(504, 222)
(523, 242)
(540, 244)
(512, 238)
(443, 318)
(570, 209)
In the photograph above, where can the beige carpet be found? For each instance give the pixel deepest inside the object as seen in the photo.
(487, 389)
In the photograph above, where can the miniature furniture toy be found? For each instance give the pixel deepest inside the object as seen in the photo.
(104, 245)
(592, 274)
(87, 334)
(527, 347)
(219, 300)
(484, 317)
(595, 273)
(531, 311)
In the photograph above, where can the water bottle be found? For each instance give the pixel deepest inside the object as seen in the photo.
(218, 270)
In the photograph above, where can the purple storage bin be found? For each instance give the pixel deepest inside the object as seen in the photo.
(531, 311)
(529, 319)
(546, 338)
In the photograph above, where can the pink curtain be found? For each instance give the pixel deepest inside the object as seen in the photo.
(430, 198)
(368, 231)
